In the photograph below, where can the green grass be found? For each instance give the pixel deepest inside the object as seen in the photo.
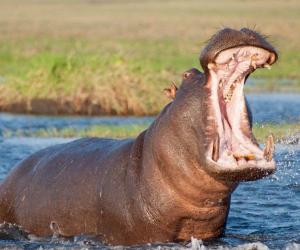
(261, 131)
(107, 131)
(280, 131)
(119, 55)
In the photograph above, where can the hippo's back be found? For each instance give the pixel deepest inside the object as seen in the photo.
(61, 183)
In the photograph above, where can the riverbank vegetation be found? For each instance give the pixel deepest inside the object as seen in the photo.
(115, 57)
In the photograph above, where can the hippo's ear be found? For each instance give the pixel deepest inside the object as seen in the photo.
(171, 91)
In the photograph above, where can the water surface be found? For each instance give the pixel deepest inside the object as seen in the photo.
(266, 108)
(264, 214)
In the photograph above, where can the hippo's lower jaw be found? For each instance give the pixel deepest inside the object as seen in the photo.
(234, 149)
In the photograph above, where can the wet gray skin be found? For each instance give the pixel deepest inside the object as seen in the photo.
(173, 181)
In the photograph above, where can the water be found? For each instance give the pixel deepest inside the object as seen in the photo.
(266, 108)
(264, 214)
(275, 108)
(30, 122)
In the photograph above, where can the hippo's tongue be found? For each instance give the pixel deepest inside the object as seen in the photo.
(235, 143)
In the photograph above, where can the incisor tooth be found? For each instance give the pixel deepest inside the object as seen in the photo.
(253, 64)
(254, 57)
(247, 157)
(269, 148)
(250, 157)
(268, 66)
(211, 66)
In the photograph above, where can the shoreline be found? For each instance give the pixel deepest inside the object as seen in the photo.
(283, 133)
(86, 107)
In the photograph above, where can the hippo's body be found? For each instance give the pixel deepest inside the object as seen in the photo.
(172, 182)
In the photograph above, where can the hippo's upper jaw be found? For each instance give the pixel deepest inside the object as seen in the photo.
(233, 152)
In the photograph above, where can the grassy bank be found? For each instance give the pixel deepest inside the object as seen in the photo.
(261, 132)
(281, 132)
(115, 57)
(107, 131)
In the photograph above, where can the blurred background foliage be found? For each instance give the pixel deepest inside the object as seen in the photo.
(115, 57)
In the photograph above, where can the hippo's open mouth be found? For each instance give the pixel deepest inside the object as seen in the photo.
(234, 146)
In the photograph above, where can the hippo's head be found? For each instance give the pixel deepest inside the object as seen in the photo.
(228, 59)
(219, 111)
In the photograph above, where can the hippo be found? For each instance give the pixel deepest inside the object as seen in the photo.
(173, 181)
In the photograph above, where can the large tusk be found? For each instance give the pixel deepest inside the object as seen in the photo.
(269, 148)
(216, 147)
(211, 66)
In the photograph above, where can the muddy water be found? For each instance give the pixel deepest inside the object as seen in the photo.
(264, 214)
